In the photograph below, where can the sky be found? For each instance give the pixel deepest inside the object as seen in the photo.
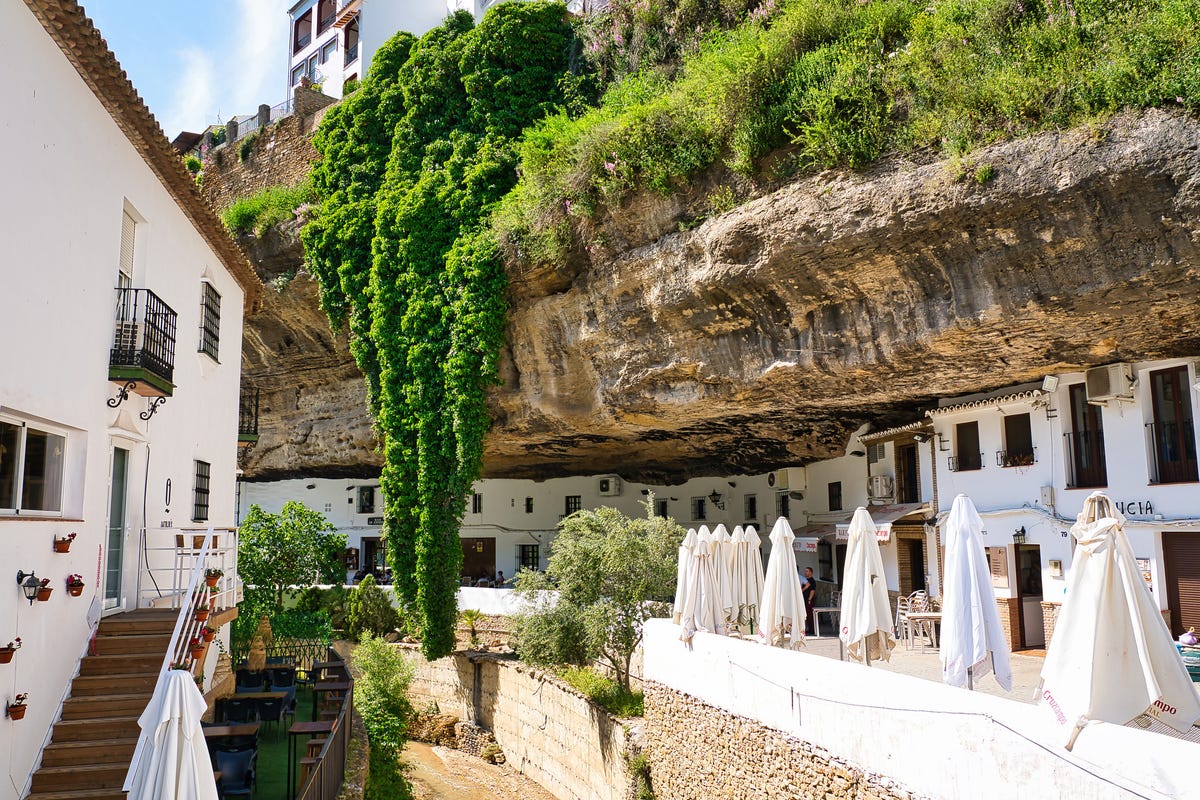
(197, 63)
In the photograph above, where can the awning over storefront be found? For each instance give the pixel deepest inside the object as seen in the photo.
(808, 536)
(805, 544)
(884, 516)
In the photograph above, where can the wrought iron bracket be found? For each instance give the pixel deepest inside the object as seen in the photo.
(122, 395)
(154, 404)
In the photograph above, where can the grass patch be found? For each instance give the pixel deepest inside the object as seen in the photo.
(258, 212)
(604, 692)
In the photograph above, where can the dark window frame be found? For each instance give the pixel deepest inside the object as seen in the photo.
(201, 490)
(967, 455)
(477, 503)
(750, 507)
(528, 505)
(835, 495)
(699, 508)
(529, 557)
(572, 503)
(365, 502)
(210, 321)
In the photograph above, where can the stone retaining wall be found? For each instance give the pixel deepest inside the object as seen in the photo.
(547, 730)
(699, 751)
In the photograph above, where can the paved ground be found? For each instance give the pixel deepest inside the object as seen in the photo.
(438, 773)
(923, 662)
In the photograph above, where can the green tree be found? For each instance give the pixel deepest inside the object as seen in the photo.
(381, 697)
(369, 610)
(612, 572)
(296, 547)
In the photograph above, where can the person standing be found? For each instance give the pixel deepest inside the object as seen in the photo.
(808, 586)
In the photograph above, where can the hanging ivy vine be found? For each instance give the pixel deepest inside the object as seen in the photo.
(412, 166)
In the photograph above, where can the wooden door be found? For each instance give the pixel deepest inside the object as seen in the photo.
(1181, 556)
(908, 488)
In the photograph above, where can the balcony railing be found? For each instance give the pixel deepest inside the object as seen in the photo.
(248, 417)
(1172, 448)
(1016, 458)
(302, 42)
(351, 54)
(966, 462)
(143, 346)
(325, 21)
(1085, 460)
(168, 556)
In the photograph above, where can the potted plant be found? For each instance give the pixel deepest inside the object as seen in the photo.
(16, 709)
(6, 652)
(201, 613)
(74, 585)
(183, 665)
(44, 590)
(196, 648)
(63, 545)
(212, 575)
(207, 633)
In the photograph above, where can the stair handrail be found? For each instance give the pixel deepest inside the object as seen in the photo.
(186, 623)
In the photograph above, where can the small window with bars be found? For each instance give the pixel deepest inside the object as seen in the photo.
(660, 508)
(530, 557)
(210, 320)
(574, 502)
(699, 508)
(750, 507)
(476, 503)
(528, 505)
(200, 492)
(875, 453)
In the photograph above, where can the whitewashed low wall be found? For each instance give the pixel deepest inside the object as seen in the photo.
(493, 602)
(933, 740)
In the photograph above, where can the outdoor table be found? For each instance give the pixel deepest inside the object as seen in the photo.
(818, 611)
(316, 671)
(932, 617)
(331, 686)
(240, 729)
(301, 729)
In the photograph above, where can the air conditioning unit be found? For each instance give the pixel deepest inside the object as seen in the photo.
(880, 487)
(610, 486)
(1110, 382)
(778, 479)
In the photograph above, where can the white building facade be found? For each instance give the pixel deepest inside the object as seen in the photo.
(119, 283)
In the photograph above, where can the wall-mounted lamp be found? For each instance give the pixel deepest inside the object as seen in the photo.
(857, 453)
(715, 499)
(29, 584)
(921, 437)
(645, 492)
(351, 488)
(943, 445)
(1050, 383)
(311, 486)
(732, 483)
(1019, 535)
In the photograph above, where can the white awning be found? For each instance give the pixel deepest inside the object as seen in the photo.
(805, 544)
(884, 516)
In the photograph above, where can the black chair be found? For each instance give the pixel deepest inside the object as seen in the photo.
(270, 709)
(238, 772)
(240, 710)
(246, 681)
(281, 677)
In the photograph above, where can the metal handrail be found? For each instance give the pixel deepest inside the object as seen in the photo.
(325, 780)
(185, 621)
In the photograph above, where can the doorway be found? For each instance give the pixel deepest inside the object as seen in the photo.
(911, 562)
(1029, 596)
(115, 562)
(479, 558)
(374, 558)
(908, 485)
(1181, 556)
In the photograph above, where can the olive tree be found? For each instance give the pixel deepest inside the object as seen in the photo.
(612, 573)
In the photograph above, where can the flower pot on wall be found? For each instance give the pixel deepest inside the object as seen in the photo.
(44, 593)
(16, 712)
(6, 654)
(196, 653)
(202, 615)
(211, 582)
(75, 591)
(208, 635)
(62, 545)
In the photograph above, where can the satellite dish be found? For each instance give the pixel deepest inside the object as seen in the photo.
(796, 495)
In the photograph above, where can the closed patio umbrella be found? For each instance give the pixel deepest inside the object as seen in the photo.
(866, 612)
(747, 569)
(1112, 658)
(973, 642)
(722, 551)
(781, 613)
(171, 760)
(702, 609)
(687, 563)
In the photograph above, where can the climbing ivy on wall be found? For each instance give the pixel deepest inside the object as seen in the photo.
(412, 166)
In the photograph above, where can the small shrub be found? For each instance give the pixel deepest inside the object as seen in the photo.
(193, 164)
(985, 173)
(370, 611)
(605, 692)
(350, 86)
(551, 636)
(381, 697)
(471, 617)
(639, 768)
(722, 199)
(247, 146)
(258, 212)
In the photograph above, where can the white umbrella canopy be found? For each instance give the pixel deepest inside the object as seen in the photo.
(702, 608)
(722, 553)
(171, 761)
(973, 642)
(687, 563)
(1112, 657)
(866, 612)
(781, 612)
(747, 568)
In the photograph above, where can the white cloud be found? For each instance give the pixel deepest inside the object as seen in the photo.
(193, 98)
(258, 70)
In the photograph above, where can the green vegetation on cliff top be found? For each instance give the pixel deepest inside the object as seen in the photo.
(419, 198)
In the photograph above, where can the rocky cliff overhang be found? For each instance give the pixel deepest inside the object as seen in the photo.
(766, 335)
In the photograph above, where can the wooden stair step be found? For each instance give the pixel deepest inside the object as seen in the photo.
(121, 662)
(105, 706)
(130, 683)
(80, 776)
(133, 644)
(109, 751)
(79, 794)
(80, 730)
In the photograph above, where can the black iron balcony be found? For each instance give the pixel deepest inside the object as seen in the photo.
(248, 417)
(1172, 447)
(351, 54)
(1086, 468)
(1016, 458)
(965, 462)
(143, 346)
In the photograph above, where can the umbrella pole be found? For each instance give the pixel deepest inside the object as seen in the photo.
(970, 679)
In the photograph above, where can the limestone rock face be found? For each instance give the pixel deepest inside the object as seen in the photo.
(767, 334)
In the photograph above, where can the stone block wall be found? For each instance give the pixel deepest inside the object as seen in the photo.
(281, 154)
(547, 730)
(1010, 619)
(697, 751)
